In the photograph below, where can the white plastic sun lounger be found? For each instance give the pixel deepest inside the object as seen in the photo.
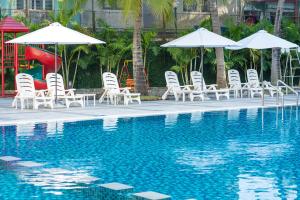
(26, 92)
(113, 91)
(255, 86)
(174, 88)
(253, 83)
(199, 85)
(235, 83)
(62, 94)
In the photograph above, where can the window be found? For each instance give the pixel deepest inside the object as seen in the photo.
(205, 5)
(48, 5)
(115, 5)
(20, 4)
(190, 6)
(39, 4)
(32, 4)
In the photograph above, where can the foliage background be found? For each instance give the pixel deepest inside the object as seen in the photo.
(94, 60)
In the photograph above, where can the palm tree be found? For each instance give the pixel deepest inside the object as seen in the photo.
(134, 8)
(221, 75)
(65, 15)
(275, 69)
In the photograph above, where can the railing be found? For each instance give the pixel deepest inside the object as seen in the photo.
(280, 85)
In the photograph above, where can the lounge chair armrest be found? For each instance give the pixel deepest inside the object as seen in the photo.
(245, 85)
(187, 87)
(211, 86)
(70, 92)
(41, 93)
(125, 90)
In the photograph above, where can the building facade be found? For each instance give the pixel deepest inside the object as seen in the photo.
(186, 15)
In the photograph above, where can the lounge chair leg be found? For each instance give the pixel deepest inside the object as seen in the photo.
(165, 95)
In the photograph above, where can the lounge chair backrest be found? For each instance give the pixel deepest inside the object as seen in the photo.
(197, 80)
(172, 80)
(25, 85)
(252, 77)
(110, 82)
(234, 78)
(51, 82)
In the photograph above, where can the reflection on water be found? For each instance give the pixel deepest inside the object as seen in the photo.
(201, 161)
(25, 130)
(252, 113)
(257, 187)
(39, 131)
(110, 124)
(55, 128)
(56, 178)
(233, 115)
(265, 151)
(196, 117)
(171, 120)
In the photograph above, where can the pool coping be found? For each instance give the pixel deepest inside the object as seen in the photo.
(153, 113)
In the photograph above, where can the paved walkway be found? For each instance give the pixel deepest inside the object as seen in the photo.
(9, 115)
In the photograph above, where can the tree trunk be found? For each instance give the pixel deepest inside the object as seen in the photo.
(26, 9)
(275, 69)
(221, 75)
(137, 55)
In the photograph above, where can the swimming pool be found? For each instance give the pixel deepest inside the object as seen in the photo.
(238, 154)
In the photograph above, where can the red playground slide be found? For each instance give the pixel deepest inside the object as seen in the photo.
(47, 59)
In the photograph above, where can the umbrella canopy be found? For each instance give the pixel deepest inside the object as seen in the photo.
(55, 33)
(201, 38)
(263, 40)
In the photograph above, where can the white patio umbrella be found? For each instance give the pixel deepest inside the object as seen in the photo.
(263, 40)
(55, 34)
(201, 38)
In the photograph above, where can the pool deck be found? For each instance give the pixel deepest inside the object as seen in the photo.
(9, 115)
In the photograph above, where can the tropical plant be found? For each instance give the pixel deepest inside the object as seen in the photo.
(117, 49)
(65, 16)
(133, 9)
(182, 58)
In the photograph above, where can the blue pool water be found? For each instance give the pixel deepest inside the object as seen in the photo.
(241, 154)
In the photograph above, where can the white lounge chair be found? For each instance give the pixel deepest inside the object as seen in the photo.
(199, 85)
(113, 92)
(57, 85)
(26, 92)
(235, 83)
(255, 86)
(174, 88)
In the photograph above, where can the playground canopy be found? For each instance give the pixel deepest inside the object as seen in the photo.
(201, 38)
(263, 40)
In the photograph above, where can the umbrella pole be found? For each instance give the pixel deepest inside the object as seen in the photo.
(201, 68)
(262, 76)
(55, 61)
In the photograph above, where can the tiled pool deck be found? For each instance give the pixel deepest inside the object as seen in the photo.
(9, 115)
